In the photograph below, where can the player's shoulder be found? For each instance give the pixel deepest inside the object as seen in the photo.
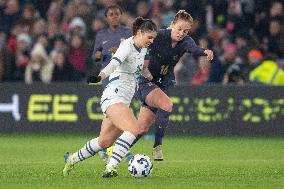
(163, 34)
(188, 39)
(127, 42)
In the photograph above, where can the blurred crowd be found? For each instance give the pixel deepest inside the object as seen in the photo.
(52, 40)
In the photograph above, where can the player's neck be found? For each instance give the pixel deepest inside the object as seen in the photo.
(174, 43)
(137, 43)
(113, 28)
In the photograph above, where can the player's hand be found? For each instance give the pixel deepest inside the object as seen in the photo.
(94, 79)
(113, 49)
(209, 54)
(150, 77)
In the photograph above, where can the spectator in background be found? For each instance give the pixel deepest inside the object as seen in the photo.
(63, 70)
(40, 67)
(69, 13)
(244, 44)
(201, 76)
(97, 24)
(39, 27)
(55, 11)
(87, 13)
(235, 22)
(10, 15)
(262, 19)
(272, 43)
(5, 59)
(268, 72)
(41, 6)
(108, 39)
(276, 10)
(77, 55)
(58, 44)
(238, 73)
(43, 39)
(143, 9)
(77, 25)
(22, 56)
(3, 56)
(234, 75)
(53, 29)
(12, 40)
(219, 68)
(254, 58)
(202, 73)
(28, 18)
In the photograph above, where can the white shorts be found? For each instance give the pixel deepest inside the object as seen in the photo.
(117, 92)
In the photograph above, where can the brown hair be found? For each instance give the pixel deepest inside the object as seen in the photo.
(144, 25)
(183, 15)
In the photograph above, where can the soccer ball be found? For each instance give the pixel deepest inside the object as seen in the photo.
(140, 166)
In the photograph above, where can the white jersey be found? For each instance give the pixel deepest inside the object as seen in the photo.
(124, 69)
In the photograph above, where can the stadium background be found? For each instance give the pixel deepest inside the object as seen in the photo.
(238, 122)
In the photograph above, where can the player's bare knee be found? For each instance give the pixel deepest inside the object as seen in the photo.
(144, 128)
(167, 106)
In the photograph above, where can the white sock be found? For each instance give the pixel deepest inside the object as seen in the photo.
(121, 147)
(88, 150)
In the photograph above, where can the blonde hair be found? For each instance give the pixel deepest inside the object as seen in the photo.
(183, 15)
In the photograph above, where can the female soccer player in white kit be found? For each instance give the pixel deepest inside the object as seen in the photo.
(123, 71)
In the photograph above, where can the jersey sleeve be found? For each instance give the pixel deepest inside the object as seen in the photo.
(122, 52)
(191, 47)
(118, 58)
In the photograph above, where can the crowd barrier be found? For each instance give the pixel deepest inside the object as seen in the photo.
(198, 110)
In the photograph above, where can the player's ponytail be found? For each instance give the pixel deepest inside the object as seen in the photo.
(136, 24)
(145, 25)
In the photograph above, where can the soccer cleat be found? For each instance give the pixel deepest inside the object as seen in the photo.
(158, 153)
(68, 164)
(110, 172)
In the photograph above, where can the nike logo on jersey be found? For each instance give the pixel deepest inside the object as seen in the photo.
(104, 42)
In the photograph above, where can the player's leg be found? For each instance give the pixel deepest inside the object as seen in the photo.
(108, 134)
(145, 119)
(124, 119)
(158, 99)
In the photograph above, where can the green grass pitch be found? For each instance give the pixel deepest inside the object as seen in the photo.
(36, 161)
